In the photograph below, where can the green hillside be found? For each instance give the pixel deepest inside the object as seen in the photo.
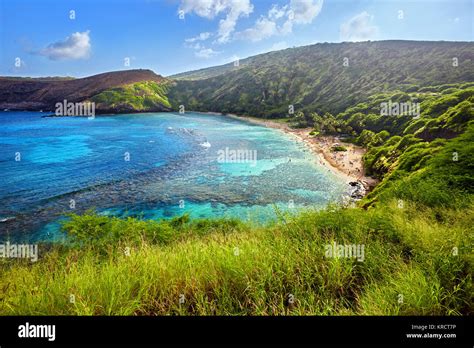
(315, 78)
(136, 97)
(401, 147)
(209, 72)
(416, 229)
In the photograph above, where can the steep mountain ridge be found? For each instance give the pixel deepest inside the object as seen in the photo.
(36, 94)
(325, 77)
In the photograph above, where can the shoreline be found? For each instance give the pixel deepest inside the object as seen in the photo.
(345, 164)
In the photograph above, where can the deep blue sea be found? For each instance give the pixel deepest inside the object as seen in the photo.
(152, 166)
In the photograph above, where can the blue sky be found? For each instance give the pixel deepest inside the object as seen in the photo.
(44, 38)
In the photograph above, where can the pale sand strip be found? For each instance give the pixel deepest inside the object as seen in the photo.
(347, 164)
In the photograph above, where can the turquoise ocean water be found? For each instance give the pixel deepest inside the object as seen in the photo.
(151, 166)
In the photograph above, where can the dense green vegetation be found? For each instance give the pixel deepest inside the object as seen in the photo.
(415, 226)
(401, 148)
(399, 141)
(135, 97)
(316, 79)
(416, 229)
(415, 253)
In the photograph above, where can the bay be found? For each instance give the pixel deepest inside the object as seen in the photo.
(151, 166)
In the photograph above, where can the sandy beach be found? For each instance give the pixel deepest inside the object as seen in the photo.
(347, 164)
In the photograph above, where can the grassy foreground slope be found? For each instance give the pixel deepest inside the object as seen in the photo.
(225, 267)
(415, 227)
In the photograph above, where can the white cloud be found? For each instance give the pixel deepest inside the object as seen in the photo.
(196, 46)
(287, 27)
(276, 12)
(75, 46)
(203, 8)
(263, 29)
(280, 20)
(305, 10)
(200, 37)
(358, 28)
(205, 53)
(301, 12)
(233, 9)
(227, 26)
